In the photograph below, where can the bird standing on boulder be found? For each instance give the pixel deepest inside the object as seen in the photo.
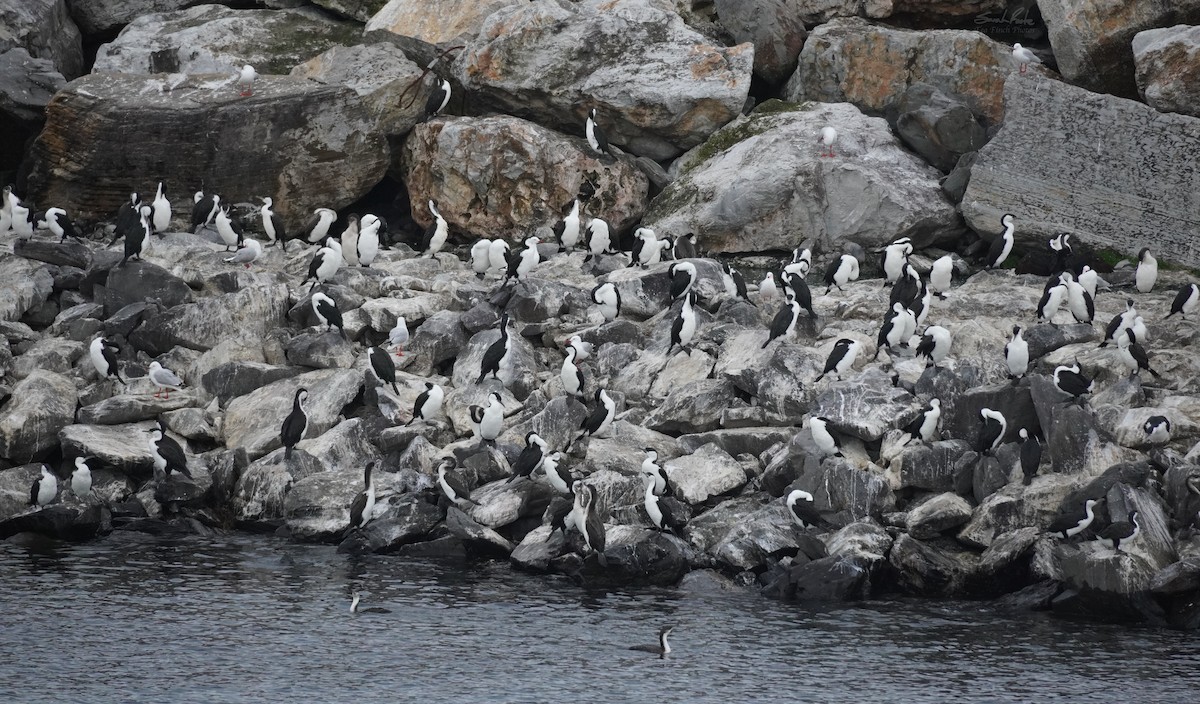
(44, 489)
(1147, 271)
(803, 510)
(317, 227)
(1031, 456)
(1120, 532)
(451, 484)
(684, 327)
(81, 479)
(826, 442)
(363, 508)
(228, 229)
(924, 427)
(572, 376)
(1157, 430)
(784, 323)
(660, 512)
(164, 379)
(324, 264)
(599, 419)
(1185, 301)
(383, 366)
(204, 210)
(992, 426)
(895, 256)
(60, 225)
(1120, 323)
(530, 458)
(683, 277)
(595, 136)
(428, 403)
(608, 298)
(489, 422)
(941, 275)
(498, 356)
(272, 223)
(104, 359)
(1072, 523)
(326, 310)
(296, 423)
(245, 80)
(598, 239)
(398, 337)
(841, 358)
(167, 454)
(934, 345)
(567, 230)
(439, 98)
(250, 252)
(1024, 57)
(437, 232)
(1002, 246)
(840, 272)
(1132, 355)
(162, 210)
(1071, 381)
(523, 262)
(137, 238)
(828, 137)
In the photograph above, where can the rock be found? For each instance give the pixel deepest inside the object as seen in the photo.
(66, 254)
(872, 193)
(525, 62)
(41, 405)
(108, 16)
(323, 149)
(870, 66)
(707, 472)
(439, 339)
(866, 406)
(738, 441)
(48, 354)
(483, 539)
(773, 27)
(938, 127)
(935, 466)
(637, 557)
(470, 358)
(1016, 173)
(129, 408)
(360, 10)
(218, 39)
(403, 519)
(849, 492)
(541, 299)
(136, 282)
(955, 183)
(1072, 440)
(347, 444)
(866, 541)
(29, 285)
(259, 496)
(1015, 507)
(757, 537)
(66, 522)
(45, 30)
(232, 379)
(937, 515)
(321, 350)
(125, 447)
(318, 506)
(1092, 43)
(537, 549)
(244, 316)
(997, 561)
(832, 578)
(502, 502)
(253, 421)
(960, 411)
(26, 86)
(929, 570)
(452, 160)
(1168, 67)
(694, 407)
(379, 74)
(424, 29)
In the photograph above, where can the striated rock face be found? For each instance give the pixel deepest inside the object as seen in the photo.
(550, 62)
(379, 74)
(760, 184)
(1113, 172)
(246, 315)
(495, 176)
(41, 405)
(774, 28)
(425, 27)
(26, 86)
(99, 16)
(1168, 68)
(44, 29)
(302, 141)
(218, 39)
(1091, 40)
(869, 65)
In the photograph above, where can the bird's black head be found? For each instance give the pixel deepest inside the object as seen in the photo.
(1142, 254)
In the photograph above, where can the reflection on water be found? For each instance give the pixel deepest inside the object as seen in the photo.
(244, 618)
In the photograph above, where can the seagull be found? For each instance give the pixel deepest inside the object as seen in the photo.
(1024, 57)
(246, 79)
(247, 254)
(398, 337)
(828, 138)
(164, 379)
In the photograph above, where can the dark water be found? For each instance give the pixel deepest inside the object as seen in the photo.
(249, 618)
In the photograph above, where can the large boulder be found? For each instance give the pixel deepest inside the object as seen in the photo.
(361, 10)
(26, 86)
(41, 405)
(760, 184)
(937, 126)
(106, 16)
(380, 74)
(1045, 164)
(458, 162)
(27, 286)
(866, 406)
(1168, 68)
(854, 61)
(253, 421)
(552, 61)
(302, 141)
(136, 282)
(219, 39)
(44, 29)
(1092, 40)
(246, 315)
(772, 26)
(924, 12)
(423, 28)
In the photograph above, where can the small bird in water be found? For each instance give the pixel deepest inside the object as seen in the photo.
(662, 648)
(357, 597)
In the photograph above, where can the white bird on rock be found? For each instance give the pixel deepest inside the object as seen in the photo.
(246, 78)
(247, 254)
(1024, 57)
(164, 379)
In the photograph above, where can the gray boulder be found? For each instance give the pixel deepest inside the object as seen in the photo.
(26, 86)
(45, 30)
(872, 192)
(481, 538)
(401, 519)
(136, 282)
(232, 379)
(937, 515)
(934, 466)
(707, 472)
(423, 29)
(1168, 68)
(246, 316)
(125, 447)
(104, 16)
(253, 421)
(29, 285)
(693, 407)
(41, 405)
(687, 86)
(131, 408)
(379, 73)
(48, 354)
(757, 537)
(866, 406)
(937, 126)
(320, 350)
(775, 29)
(930, 569)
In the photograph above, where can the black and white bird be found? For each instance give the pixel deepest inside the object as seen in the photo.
(897, 328)
(489, 421)
(1002, 246)
(784, 322)
(803, 510)
(324, 264)
(327, 312)
(137, 238)
(1119, 532)
(349, 239)
(481, 260)
(1016, 355)
(992, 427)
(653, 470)
(907, 288)
(1157, 430)
(895, 256)
(104, 358)
(228, 229)
(428, 404)
(608, 298)
(451, 484)
(683, 277)
(1185, 301)
(363, 508)
(1132, 355)
(1053, 296)
(661, 513)
(684, 327)
(356, 597)
(585, 517)
(498, 256)
(598, 238)
(438, 99)
(81, 478)
(600, 418)
(801, 261)
(1147, 271)
(567, 230)
(795, 287)
(827, 442)
(941, 275)
(841, 358)
(734, 282)
(316, 229)
(572, 375)
(44, 489)
(522, 262)
(204, 209)
(1079, 302)
(645, 248)
(925, 426)
(272, 224)
(685, 247)
(531, 456)
(662, 648)
(1072, 523)
(164, 379)
(595, 136)
(1120, 323)
(167, 454)
(1071, 381)
(1031, 456)
(555, 474)
(1089, 280)
(384, 367)
(60, 225)
(436, 234)
(934, 345)
(295, 425)
(498, 356)
(162, 210)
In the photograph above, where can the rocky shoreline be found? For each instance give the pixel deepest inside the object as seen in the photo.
(716, 122)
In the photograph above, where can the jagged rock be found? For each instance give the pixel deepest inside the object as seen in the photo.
(998, 559)
(954, 185)
(863, 541)
(104, 16)
(773, 27)
(637, 556)
(45, 30)
(317, 507)
(28, 286)
(259, 495)
(452, 160)
(1168, 68)
(1007, 178)
(937, 126)
(525, 61)
(707, 472)
(65, 522)
(26, 86)
(347, 444)
(503, 502)
(423, 29)
(192, 423)
(232, 379)
(693, 407)
(48, 354)
(253, 421)
(540, 299)
(218, 39)
(323, 148)
(380, 314)
(832, 578)
(938, 515)
(41, 404)
(934, 466)
(1015, 507)
(847, 491)
(379, 73)
(470, 358)
(125, 447)
(758, 536)
(399, 520)
(960, 412)
(361, 10)
(866, 406)
(439, 339)
(321, 350)
(738, 441)
(1072, 440)
(136, 282)
(67, 254)
(871, 193)
(1178, 577)
(129, 408)
(925, 569)
(245, 316)
(484, 539)
(870, 65)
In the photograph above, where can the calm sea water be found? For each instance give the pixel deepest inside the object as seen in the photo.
(134, 618)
